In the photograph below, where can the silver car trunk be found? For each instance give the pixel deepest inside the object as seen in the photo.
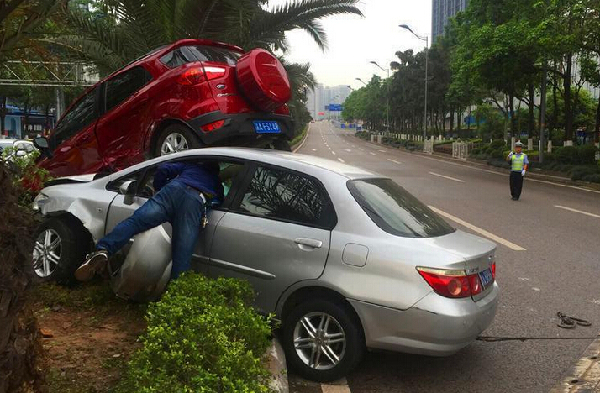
(478, 253)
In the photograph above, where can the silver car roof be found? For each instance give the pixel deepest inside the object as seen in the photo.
(274, 157)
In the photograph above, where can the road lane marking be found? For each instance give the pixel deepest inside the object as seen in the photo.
(446, 177)
(577, 211)
(482, 232)
(342, 161)
(340, 386)
(373, 154)
(332, 152)
(314, 149)
(394, 161)
(383, 151)
(348, 150)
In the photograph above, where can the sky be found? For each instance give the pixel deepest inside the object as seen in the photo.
(354, 41)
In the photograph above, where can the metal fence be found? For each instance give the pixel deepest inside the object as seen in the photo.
(461, 150)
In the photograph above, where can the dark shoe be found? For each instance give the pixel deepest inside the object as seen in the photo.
(94, 263)
(515, 199)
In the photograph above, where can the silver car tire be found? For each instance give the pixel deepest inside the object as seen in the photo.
(61, 244)
(175, 138)
(323, 340)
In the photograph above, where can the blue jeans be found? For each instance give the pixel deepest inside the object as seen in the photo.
(174, 203)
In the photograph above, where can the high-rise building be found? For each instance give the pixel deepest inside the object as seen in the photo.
(443, 10)
(322, 96)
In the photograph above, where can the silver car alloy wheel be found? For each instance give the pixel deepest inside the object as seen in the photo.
(173, 143)
(47, 252)
(319, 340)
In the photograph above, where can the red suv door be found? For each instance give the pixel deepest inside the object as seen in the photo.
(127, 116)
(73, 142)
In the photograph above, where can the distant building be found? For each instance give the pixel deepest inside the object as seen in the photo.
(322, 96)
(443, 10)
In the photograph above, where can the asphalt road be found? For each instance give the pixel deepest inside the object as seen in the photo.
(548, 261)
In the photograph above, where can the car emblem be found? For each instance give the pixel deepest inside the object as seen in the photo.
(220, 86)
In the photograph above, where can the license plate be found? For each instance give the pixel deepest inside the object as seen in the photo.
(266, 127)
(486, 278)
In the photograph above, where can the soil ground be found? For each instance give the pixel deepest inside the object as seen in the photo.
(89, 335)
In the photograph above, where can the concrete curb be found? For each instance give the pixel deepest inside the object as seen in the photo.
(298, 145)
(585, 375)
(278, 367)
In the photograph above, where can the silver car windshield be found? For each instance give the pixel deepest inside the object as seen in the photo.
(395, 210)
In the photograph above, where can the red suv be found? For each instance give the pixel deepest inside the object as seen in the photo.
(190, 94)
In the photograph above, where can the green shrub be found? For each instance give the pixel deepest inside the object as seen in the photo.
(201, 337)
(580, 171)
(576, 155)
(497, 143)
(592, 178)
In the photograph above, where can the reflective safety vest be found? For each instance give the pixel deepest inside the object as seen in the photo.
(518, 162)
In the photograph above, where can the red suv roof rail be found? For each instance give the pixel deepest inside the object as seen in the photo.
(195, 41)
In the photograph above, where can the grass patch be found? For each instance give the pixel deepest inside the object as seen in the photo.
(298, 138)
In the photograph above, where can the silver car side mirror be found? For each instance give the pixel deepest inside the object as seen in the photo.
(128, 190)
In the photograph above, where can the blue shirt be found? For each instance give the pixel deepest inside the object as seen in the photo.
(202, 177)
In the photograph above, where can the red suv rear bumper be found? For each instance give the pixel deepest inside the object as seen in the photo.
(238, 128)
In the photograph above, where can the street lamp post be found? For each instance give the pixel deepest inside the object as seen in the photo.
(426, 39)
(361, 81)
(387, 110)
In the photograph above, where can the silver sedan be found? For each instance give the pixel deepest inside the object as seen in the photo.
(345, 258)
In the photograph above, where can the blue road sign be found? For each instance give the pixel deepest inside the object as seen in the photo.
(335, 107)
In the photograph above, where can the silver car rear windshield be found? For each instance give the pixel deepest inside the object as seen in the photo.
(396, 211)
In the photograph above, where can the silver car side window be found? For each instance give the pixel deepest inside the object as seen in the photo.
(284, 195)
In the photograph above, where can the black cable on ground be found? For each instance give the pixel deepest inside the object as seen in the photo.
(491, 339)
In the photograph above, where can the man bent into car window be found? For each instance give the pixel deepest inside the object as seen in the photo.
(185, 192)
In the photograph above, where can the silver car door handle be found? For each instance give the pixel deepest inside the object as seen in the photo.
(310, 243)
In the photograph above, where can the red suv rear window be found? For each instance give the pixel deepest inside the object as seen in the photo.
(189, 54)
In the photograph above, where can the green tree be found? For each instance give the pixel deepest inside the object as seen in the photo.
(18, 19)
(496, 51)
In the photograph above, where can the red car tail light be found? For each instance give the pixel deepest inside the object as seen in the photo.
(213, 72)
(451, 283)
(195, 75)
(213, 126)
(192, 76)
(494, 270)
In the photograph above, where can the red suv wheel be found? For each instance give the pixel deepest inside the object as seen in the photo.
(263, 80)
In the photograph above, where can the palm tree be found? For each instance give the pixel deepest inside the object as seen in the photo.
(136, 27)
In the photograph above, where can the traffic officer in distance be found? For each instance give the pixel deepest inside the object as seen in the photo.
(519, 163)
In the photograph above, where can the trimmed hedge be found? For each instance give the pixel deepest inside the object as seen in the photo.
(202, 337)
(575, 155)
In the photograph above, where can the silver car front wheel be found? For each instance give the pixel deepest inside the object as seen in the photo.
(319, 340)
(60, 248)
(47, 252)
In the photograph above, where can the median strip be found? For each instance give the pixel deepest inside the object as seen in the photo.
(478, 230)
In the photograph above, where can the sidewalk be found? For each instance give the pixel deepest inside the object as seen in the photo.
(585, 375)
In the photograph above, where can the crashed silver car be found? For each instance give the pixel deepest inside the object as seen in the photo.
(345, 258)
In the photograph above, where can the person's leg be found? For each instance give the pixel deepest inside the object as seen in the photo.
(151, 214)
(187, 224)
(512, 184)
(518, 185)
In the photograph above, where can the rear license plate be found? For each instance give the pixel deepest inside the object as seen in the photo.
(266, 127)
(486, 278)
